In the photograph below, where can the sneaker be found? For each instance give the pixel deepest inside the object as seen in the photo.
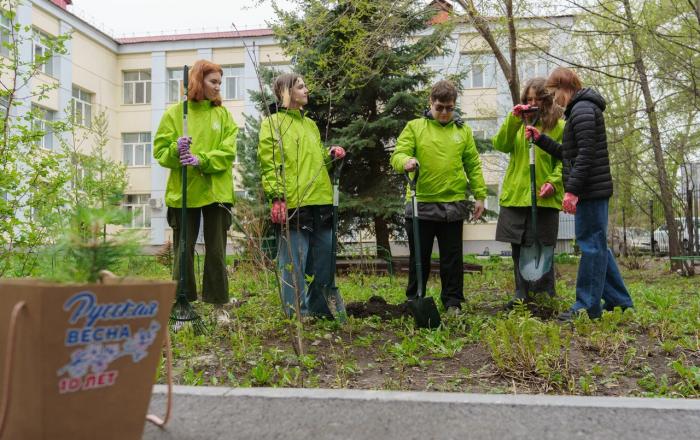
(569, 315)
(453, 311)
(221, 316)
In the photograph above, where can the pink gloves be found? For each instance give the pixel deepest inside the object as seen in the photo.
(546, 190)
(337, 152)
(568, 205)
(531, 133)
(519, 109)
(278, 213)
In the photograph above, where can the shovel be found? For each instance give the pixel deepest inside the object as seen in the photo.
(535, 259)
(331, 290)
(423, 309)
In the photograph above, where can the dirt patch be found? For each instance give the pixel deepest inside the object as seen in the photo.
(377, 306)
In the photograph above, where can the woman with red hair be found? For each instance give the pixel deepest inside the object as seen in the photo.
(209, 151)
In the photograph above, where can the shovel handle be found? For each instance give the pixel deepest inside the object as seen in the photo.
(412, 182)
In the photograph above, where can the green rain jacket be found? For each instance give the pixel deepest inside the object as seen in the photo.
(516, 185)
(447, 156)
(306, 161)
(213, 134)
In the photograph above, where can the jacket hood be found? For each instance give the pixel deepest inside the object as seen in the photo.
(275, 108)
(586, 94)
(427, 114)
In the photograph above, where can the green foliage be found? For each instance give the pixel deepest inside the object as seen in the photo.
(31, 179)
(522, 346)
(364, 62)
(87, 249)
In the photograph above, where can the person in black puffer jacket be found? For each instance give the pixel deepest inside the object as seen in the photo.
(588, 187)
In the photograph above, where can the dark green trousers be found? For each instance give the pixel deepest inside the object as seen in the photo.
(217, 221)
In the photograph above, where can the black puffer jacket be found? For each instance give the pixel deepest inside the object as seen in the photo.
(584, 148)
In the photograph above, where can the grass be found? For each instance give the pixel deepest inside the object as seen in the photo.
(653, 350)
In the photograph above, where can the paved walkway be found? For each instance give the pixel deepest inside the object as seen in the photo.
(313, 414)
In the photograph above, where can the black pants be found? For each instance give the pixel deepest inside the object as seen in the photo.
(449, 236)
(217, 221)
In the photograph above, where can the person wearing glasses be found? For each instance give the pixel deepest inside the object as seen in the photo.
(515, 214)
(442, 146)
(588, 187)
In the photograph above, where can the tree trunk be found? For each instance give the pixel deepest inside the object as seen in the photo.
(381, 232)
(509, 69)
(650, 108)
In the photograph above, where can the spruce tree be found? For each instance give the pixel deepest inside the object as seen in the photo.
(364, 62)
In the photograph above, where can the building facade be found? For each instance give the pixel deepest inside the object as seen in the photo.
(133, 81)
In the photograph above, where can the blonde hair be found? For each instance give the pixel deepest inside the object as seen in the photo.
(283, 88)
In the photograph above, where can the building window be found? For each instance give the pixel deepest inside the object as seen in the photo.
(140, 212)
(492, 198)
(532, 68)
(42, 123)
(137, 149)
(81, 107)
(478, 134)
(41, 53)
(477, 76)
(5, 32)
(137, 87)
(232, 83)
(175, 85)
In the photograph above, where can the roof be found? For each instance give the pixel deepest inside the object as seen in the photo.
(197, 36)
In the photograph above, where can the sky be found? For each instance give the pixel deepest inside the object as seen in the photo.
(156, 17)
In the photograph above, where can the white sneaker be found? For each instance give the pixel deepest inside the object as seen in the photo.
(221, 316)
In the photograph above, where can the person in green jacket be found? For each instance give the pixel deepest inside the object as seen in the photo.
(209, 151)
(294, 168)
(515, 214)
(443, 146)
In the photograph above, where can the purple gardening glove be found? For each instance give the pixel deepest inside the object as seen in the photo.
(183, 145)
(189, 159)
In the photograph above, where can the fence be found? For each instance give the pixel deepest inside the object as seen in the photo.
(644, 230)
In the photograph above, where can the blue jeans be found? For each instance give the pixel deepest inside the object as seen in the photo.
(598, 275)
(308, 267)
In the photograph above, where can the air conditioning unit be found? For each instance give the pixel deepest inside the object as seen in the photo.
(155, 203)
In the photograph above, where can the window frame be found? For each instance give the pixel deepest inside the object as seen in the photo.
(146, 149)
(140, 204)
(46, 141)
(178, 81)
(47, 67)
(239, 80)
(134, 84)
(5, 33)
(80, 99)
(482, 68)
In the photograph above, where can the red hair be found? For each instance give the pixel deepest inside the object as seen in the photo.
(564, 78)
(198, 72)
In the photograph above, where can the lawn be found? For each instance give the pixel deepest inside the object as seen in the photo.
(653, 350)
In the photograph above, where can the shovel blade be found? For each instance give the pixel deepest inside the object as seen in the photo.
(332, 293)
(425, 312)
(535, 261)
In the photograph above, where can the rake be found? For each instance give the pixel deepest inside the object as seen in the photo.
(182, 311)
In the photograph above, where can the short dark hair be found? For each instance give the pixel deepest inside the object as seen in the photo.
(444, 91)
(564, 78)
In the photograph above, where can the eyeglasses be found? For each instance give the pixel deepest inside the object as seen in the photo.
(443, 108)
